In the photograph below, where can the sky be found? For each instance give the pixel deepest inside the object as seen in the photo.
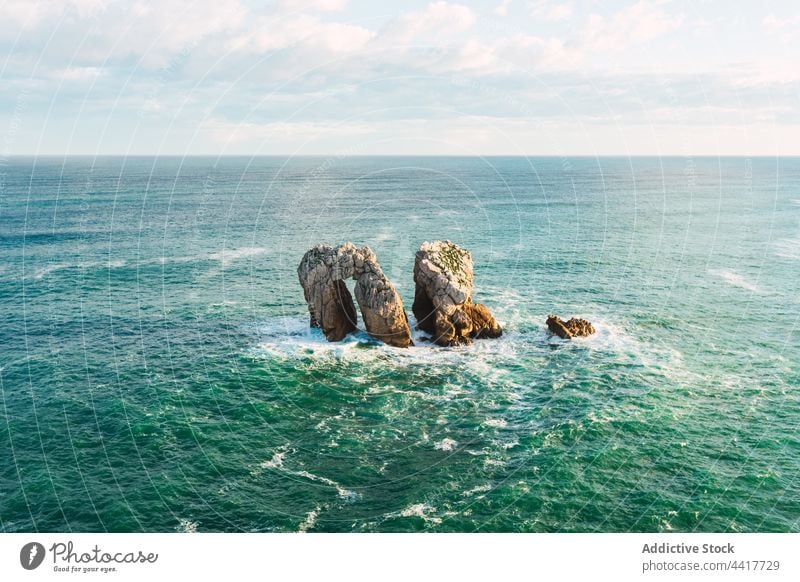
(339, 77)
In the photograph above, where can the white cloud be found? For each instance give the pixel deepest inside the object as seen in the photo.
(502, 8)
(315, 5)
(78, 74)
(772, 23)
(492, 135)
(438, 19)
(638, 24)
(631, 26)
(30, 13)
(269, 33)
(93, 33)
(763, 75)
(551, 11)
(533, 53)
(301, 67)
(171, 25)
(22, 12)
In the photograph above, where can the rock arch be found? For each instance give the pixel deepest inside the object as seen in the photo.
(322, 273)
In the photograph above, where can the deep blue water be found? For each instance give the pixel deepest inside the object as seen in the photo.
(157, 372)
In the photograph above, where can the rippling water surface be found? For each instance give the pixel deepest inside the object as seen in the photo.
(157, 372)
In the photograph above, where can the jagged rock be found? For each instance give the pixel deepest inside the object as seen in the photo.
(483, 323)
(322, 274)
(569, 329)
(443, 296)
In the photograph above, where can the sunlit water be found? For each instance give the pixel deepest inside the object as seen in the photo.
(158, 373)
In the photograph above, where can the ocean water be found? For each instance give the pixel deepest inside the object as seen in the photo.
(157, 372)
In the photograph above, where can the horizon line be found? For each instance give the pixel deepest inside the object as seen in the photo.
(398, 155)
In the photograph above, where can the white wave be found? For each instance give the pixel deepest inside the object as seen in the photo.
(603, 418)
(614, 337)
(736, 280)
(163, 260)
(343, 493)
(42, 272)
(227, 256)
(277, 463)
(46, 270)
(495, 422)
(290, 338)
(476, 490)
(788, 248)
(418, 510)
(186, 526)
(493, 463)
(310, 521)
(446, 444)
(383, 236)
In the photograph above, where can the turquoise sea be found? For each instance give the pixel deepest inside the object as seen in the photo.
(157, 372)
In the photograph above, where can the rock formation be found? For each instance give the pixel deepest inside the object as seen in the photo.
(322, 274)
(443, 296)
(569, 329)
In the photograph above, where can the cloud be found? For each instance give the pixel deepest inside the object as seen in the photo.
(87, 32)
(208, 75)
(314, 5)
(502, 8)
(632, 26)
(551, 11)
(438, 18)
(772, 23)
(17, 13)
(270, 33)
(77, 74)
(638, 24)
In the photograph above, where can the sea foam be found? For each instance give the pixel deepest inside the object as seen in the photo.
(736, 280)
(227, 256)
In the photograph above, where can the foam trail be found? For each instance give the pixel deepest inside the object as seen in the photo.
(446, 444)
(227, 256)
(736, 280)
(421, 510)
(788, 248)
(276, 463)
(311, 520)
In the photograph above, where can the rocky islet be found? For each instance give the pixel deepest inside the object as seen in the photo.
(443, 303)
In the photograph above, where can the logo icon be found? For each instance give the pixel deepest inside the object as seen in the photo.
(31, 555)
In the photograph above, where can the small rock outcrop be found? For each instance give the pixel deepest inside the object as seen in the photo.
(443, 296)
(323, 272)
(569, 329)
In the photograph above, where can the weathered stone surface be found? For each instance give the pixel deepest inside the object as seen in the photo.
(484, 324)
(569, 329)
(443, 296)
(339, 311)
(322, 273)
